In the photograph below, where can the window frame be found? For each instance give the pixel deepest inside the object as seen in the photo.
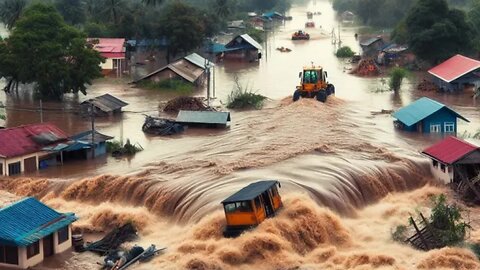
(450, 125)
(33, 249)
(435, 128)
(14, 165)
(61, 237)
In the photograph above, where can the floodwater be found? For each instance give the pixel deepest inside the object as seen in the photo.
(347, 176)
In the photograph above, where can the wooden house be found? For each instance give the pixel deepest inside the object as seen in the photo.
(21, 148)
(453, 160)
(242, 47)
(456, 74)
(30, 231)
(427, 116)
(372, 46)
(103, 105)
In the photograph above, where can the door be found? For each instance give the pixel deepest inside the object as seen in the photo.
(14, 168)
(30, 164)
(48, 246)
(267, 203)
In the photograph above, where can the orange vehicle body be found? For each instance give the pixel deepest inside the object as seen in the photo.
(251, 206)
(313, 83)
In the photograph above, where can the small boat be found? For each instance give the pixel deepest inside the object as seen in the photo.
(310, 24)
(300, 35)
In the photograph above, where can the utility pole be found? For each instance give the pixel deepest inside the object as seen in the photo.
(92, 115)
(214, 96)
(207, 70)
(41, 111)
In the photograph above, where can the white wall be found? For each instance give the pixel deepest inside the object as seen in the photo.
(108, 64)
(444, 177)
(4, 164)
(33, 260)
(22, 163)
(65, 245)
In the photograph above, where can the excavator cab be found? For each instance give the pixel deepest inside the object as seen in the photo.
(313, 84)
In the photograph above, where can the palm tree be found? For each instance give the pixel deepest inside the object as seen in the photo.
(222, 8)
(112, 7)
(10, 11)
(151, 2)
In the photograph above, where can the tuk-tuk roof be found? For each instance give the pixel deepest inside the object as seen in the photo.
(251, 191)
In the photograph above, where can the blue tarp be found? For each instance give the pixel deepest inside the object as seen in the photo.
(419, 110)
(29, 220)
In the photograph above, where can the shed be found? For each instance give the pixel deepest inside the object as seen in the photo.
(393, 53)
(372, 46)
(31, 231)
(456, 73)
(427, 116)
(208, 118)
(272, 15)
(453, 159)
(21, 148)
(190, 68)
(243, 47)
(103, 105)
(113, 50)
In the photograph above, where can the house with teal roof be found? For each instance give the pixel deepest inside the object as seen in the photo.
(426, 115)
(30, 231)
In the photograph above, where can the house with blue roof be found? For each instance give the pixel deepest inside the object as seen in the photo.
(30, 231)
(241, 47)
(427, 116)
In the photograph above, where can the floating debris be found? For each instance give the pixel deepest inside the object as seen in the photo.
(185, 103)
(161, 126)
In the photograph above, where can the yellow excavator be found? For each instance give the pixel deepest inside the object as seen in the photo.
(313, 84)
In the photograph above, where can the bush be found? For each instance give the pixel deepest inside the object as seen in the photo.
(448, 222)
(116, 148)
(177, 85)
(396, 77)
(256, 34)
(400, 233)
(244, 98)
(345, 52)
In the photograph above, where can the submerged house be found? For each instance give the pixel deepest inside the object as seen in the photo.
(242, 47)
(427, 116)
(190, 68)
(114, 52)
(456, 74)
(372, 46)
(21, 148)
(30, 231)
(104, 105)
(453, 160)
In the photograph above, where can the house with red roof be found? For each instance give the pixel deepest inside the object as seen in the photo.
(113, 50)
(456, 74)
(21, 148)
(453, 160)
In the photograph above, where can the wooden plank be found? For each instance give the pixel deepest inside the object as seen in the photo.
(420, 234)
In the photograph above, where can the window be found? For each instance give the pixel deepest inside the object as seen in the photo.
(435, 128)
(230, 207)
(9, 255)
(1, 169)
(14, 168)
(442, 167)
(449, 127)
(33, 249)
(435, 163)
(244, 206)
(63, 235)
(258, 203)
(115, 63)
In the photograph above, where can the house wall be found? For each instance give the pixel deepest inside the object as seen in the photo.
(3, 165)
(164, 75)
(100, 149)
(250, 55)
(440, 118)
(17, 159)
(59, 248)
(445, 177)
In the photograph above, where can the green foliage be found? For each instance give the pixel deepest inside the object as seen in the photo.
(73, 11)
(475, 249)
(436, 32)
(2, 112)
(244, 98)
(448, 222)
(44, 50)
(10, 11)
(176, 85)
(474, 21)
(400, 233)
(113, 146)
(128, 149)
(345, 52)
(256, 34)
(395, 78)
(400, 34)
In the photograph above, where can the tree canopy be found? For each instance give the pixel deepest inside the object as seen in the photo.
(43, 50)
(435, 32)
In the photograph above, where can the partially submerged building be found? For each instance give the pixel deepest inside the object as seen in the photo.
(114, 52)
(242, 47)
(190, 68)
(453, 160)
(30, 231)
(372, 46)
(427, 116)
(21, 148)
(456, 73)
(103, 105)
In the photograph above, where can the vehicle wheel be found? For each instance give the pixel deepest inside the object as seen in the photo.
(296, 95)
(322, 96)
(331, 87)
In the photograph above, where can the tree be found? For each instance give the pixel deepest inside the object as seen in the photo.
(223, 8)
(396, 77)
(180, 24)
(474, 21)
(73, 11)
(151, 2)
(112, 9)
(43, 50)
(435, 32)
(10, 11)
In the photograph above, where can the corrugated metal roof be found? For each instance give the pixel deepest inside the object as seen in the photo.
(370, 41)
(86, 137)
(251, 191)
(203, 117)
(106, 103)
(450, 150)
(252, 42)
(421, 109)
(198, 60)
(28, 139)
(454, 68)
(29, 220)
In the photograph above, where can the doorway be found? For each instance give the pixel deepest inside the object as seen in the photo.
(48, 246)
(267, 203)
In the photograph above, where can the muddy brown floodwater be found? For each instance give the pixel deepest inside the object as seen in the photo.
(347, 176)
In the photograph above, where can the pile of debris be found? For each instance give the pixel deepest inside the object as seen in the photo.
(367, 67)
(283, 49)
(120, 259)
(185, 103)
(113, 240)
(161, 126)
(427, 86)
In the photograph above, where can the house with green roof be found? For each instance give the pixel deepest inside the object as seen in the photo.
(30, 231)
